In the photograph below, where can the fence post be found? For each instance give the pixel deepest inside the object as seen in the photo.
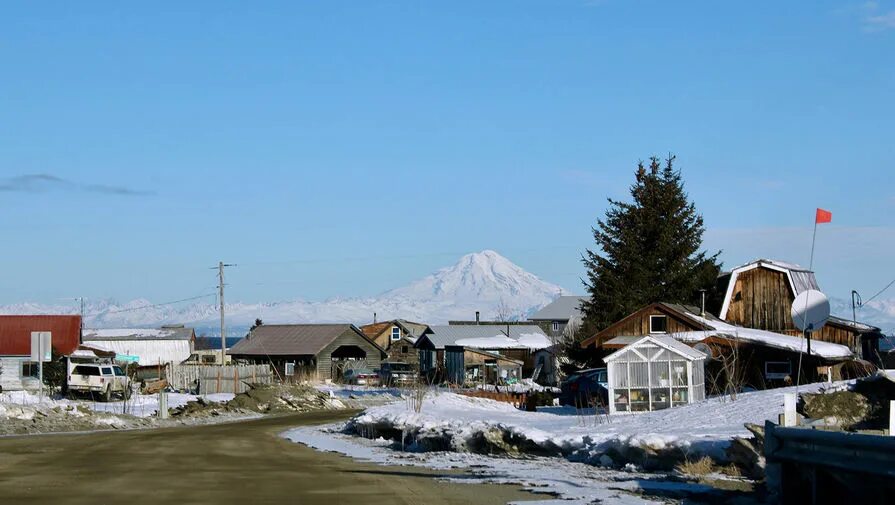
(219, 381)
(163, 404)
(235, 380)
(892, 418)
(789, 410)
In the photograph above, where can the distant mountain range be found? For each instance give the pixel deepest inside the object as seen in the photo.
(485, 281)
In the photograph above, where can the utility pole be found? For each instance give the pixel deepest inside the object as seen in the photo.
(82, 317)
(220, 267)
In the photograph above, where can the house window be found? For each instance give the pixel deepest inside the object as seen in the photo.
(396, 333)
(658, 324)
(555, 326)
(290, 368)
(777, 370)
(404, 349)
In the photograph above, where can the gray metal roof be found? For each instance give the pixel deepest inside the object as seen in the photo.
(561, 309)
(449, 335)
(291, 339)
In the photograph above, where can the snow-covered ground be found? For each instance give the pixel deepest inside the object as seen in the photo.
(557, 450)
(470, 424)
(138, 405)
(560, 482)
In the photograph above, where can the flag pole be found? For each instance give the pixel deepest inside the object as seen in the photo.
(806, 335)
(813, 241)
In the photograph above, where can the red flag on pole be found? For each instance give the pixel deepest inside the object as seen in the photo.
(823, 216)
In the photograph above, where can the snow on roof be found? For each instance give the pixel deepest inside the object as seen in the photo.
(662, 341)
(490, 336)
(826, 350)
(174, 333)
(533, 341)
(561, 309)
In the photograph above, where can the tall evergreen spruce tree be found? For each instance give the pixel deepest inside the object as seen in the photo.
(648, 251)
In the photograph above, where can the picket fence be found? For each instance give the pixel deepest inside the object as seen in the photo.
(218, 379)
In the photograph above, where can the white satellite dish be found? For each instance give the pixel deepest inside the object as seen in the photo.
(810, 310)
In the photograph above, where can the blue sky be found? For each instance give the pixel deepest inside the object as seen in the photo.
(342, 148)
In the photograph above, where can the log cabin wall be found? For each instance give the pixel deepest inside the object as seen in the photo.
(762, 299)
(638, 324)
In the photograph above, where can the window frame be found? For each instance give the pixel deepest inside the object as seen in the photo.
(777, 375)
(658, 316)
(396, 333)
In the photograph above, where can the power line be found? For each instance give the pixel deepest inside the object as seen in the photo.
(889, 285)
(149, 306)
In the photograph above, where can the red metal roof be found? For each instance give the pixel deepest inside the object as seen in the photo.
(15, 333)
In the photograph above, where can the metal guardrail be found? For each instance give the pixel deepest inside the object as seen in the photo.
(872, 454)
(815, 466)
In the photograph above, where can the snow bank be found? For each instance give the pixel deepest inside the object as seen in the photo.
(138, 405)
(458, 423)
(554, 481)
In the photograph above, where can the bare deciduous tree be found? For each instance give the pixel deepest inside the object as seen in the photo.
(504, 313)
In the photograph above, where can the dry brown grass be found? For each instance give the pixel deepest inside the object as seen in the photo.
(696, 468)
(732, 470)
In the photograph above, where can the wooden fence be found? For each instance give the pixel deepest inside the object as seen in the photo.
(516, 399)
(218, 379)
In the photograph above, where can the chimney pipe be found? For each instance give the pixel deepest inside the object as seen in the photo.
(702, 311)
(374, 318)
(477, 319)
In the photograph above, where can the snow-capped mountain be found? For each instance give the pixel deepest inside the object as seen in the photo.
(879, 313)
(484, 281)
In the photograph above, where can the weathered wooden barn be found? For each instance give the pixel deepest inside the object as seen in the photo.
(759, 295)
(309, 351)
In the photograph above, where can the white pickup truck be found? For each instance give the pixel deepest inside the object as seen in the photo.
(107, 380)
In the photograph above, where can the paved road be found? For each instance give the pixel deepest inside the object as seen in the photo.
(240, 463)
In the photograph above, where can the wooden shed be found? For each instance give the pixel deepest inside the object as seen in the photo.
(476, 366)
(654, 373)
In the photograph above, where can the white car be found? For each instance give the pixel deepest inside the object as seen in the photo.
(107, 380)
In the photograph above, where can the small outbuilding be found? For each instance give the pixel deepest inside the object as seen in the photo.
(149, 348)
(654, 373)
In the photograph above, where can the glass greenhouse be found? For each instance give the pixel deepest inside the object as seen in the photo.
(654, 373)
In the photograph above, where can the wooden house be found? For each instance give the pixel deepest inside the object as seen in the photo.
(750, 357)
(398, 337)
(309, 351)
(759, 295)
(561, 317)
